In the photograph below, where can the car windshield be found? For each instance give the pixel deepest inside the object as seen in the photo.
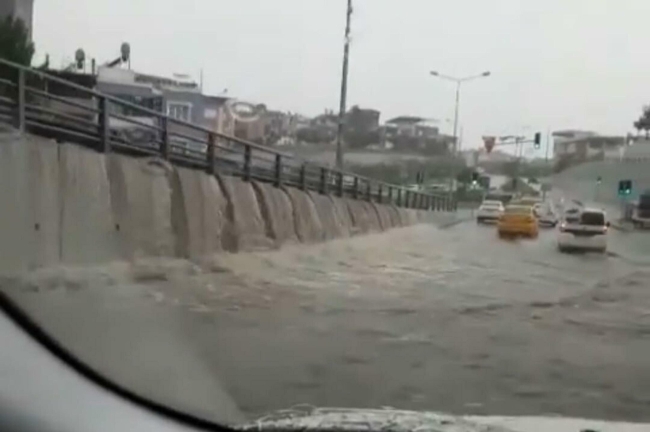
(248, 208)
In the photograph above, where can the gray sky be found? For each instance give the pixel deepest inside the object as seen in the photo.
(555, 63)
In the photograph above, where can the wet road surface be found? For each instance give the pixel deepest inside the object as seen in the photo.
(420, 318)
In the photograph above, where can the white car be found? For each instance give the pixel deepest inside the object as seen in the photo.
(489, 211)
(546, 214)
(586, 231)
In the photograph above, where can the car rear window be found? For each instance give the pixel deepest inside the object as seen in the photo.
(522, 210)
(491, 203)
(589, 218)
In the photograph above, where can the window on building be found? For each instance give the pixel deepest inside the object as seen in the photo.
(180, 110)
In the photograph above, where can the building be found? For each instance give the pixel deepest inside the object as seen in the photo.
(416, 134)
(23, 9)
(178, 97)
(412, 127)
(571, 147)
(361, 120)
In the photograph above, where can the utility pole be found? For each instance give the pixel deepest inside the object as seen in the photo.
(456, 143)
(344, 89)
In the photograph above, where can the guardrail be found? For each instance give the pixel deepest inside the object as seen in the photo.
(46, 105)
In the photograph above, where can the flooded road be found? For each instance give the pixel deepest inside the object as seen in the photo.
(420, 318)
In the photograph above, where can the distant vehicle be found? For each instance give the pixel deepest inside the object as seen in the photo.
(504, 197)
(489, 211)
(546, 214)
(528, 201)
(518, 220)
(641, 212)
(586, 231)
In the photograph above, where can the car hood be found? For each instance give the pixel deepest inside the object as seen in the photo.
(347, 420)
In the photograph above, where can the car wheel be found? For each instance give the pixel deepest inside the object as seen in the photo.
(561, 249)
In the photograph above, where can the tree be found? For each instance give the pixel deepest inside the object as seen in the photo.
(643, 123)
(15, 44)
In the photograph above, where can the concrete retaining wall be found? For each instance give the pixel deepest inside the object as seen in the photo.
(334, 225)
(359, 216)
(245, 230)
(65, 204)
(308, 225)
(277, 212)
(394, 215)
(29, 203)
(204, 214)
(343, 213)
(88, 229)
(384, 216)
(141, 194)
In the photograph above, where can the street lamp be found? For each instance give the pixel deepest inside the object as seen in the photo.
(458, 82)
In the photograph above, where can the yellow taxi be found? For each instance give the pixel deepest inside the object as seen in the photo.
(518, 219)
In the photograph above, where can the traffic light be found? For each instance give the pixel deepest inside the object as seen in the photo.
(624, 187)
(538, 140)
(474, 178)
(599, 179)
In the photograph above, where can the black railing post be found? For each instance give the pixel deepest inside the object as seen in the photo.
(368, 191)
(211, 153)
(380, 194)
(323, 180)
(278, 170)
(247, 162)
(20, 101)
(399, 197)
(355, 192)
(104, 127)
(407, 199)
(390, 194)
(164, 146)
(303, 177)
(340, 184)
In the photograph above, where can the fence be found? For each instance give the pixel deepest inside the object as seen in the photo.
(49, 106)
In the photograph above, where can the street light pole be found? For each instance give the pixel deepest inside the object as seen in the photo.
(344, 89)
(458, 82)
(456, 146)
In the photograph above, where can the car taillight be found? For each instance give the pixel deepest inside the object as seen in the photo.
(562, 227)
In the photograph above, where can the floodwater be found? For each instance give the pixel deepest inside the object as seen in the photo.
(419, 318)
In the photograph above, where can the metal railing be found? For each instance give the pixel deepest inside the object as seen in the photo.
(40, 103)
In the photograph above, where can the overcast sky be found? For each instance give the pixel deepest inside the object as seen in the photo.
(555, 63)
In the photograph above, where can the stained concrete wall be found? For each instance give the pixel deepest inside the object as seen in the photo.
(308, 225)
(29, 203)
(394, 215)
(245, 229)
(88, 229)
(383, 214)
(359, 216)
(334, 224)
(277, 212)
(343, 213)
(65, 204)
(204, 214)
(141, 195)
